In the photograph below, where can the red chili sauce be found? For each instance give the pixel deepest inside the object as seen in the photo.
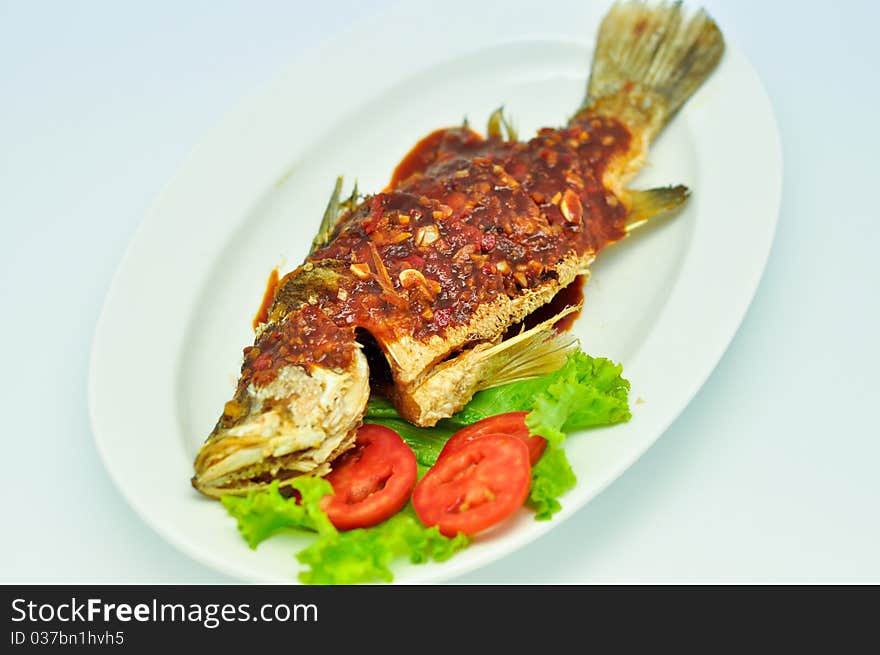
(262, 314)
(467, 219)
(464, 220)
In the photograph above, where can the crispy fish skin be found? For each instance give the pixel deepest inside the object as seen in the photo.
(472, 236)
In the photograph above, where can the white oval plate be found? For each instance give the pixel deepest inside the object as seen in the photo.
(665, 303)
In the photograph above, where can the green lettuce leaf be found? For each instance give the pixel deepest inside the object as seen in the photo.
(587, 392)
(261, 514)
(350, 557)
(379, 407)
(551, 477)
(426, 443)
(364, 554)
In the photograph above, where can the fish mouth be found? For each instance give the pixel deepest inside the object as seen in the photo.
(295, 425)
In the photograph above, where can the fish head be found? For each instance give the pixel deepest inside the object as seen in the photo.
(299, 402)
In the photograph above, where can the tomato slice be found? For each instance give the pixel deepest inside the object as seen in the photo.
(475, 486)
(372, 481)
(512, 423)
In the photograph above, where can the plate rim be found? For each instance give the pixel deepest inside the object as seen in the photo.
(515, 541)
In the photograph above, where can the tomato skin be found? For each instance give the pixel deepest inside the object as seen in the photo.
(512, 423)
(372, 481)
(476, 486)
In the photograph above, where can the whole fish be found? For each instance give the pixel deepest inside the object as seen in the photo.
(414, 290)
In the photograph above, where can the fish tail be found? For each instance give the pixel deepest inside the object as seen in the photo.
(649, 60)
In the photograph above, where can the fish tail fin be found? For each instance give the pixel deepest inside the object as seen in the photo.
(649, 60)
(331, 215)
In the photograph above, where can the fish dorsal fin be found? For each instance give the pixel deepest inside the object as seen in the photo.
(501, 126)
(331, 215)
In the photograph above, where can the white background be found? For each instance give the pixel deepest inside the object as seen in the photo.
(772, 474)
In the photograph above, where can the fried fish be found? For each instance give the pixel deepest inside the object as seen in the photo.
(414, 290)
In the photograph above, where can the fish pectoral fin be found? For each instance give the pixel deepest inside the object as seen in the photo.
(531, 353)
(647, 203)
(451, 384)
